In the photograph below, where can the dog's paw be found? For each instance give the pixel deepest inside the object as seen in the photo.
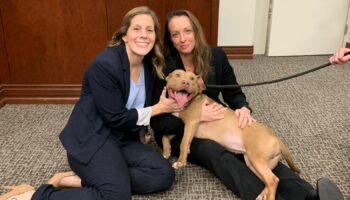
(178, 165)
(166, 155)
(262, 195)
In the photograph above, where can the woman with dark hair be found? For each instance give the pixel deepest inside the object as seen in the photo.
(186, 48)
(102, 134)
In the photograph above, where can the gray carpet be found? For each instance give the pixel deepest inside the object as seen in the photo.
(310, 113)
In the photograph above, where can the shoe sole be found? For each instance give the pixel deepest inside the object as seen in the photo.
(327, 190)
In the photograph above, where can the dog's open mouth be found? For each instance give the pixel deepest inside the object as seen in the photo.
(182, 97)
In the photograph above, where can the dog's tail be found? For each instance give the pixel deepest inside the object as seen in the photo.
(288, 157)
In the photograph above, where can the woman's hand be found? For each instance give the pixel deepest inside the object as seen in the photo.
(165, 105)
(339, 58)
(244, 117)
(212, 111)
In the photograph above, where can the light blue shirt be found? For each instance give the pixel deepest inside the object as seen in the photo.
(137, 95)
(137, 99)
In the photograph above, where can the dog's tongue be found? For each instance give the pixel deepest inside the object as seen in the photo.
(181, 98)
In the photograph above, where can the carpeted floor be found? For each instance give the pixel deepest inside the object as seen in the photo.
(310, 113)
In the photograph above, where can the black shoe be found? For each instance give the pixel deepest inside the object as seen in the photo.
(312, 195)
(327, 190)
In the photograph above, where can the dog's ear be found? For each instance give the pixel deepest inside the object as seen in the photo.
(167, 77)
(201, 84)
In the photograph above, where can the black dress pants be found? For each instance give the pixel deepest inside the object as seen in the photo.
(121, 167)
(230, 168)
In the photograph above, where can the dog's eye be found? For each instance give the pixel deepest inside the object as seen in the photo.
(177, 75)
(192, 78)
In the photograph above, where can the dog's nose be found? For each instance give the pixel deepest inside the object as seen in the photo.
(185, 82)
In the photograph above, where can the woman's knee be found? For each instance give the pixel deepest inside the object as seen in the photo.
(112, 191)
(160, 177)
(166, 178)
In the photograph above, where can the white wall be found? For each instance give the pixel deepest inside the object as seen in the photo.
(260, 26)
(306, 27)
(347, 34)
(245, 23)
(236, 22)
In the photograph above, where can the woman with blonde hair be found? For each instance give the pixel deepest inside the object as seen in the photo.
(102, 134)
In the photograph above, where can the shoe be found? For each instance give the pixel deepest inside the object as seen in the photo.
(56, 178)
(312, 195)
(16, 190)
(327, 190)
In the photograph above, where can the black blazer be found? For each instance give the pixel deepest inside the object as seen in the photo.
(101, 110)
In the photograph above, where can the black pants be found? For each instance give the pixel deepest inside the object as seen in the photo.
(121, 167)
(228, 167)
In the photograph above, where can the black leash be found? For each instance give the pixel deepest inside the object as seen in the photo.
(273, 81)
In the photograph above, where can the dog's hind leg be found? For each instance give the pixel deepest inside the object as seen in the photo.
(264, 192)
(269, 178)
(250, 166)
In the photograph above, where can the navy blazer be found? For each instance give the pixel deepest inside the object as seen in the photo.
(101, 110)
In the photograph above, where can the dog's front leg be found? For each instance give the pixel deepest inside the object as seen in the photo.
(166, 145)
(190, 130)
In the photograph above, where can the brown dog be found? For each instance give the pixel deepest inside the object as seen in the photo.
(261, 148)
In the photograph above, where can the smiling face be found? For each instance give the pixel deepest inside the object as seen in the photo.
(182, 34)
(183, 86)
(140, 37)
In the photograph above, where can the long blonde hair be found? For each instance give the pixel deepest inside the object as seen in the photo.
(201, 52)
(156, 54)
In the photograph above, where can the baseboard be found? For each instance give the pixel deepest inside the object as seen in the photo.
(2, 99)
(39, 94)
(239, 52)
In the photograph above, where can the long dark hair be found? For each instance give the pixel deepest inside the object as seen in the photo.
(201, 52)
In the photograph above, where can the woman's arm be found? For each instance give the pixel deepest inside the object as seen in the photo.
(235, 97)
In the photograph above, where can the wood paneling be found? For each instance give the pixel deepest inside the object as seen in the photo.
(25, 93)
(239, 52)
(2, 98)
(4, 67)
(46, 45)
(52, 42)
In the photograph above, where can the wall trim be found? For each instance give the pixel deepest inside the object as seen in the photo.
(39, 94)
(2, 101)
(239, 52)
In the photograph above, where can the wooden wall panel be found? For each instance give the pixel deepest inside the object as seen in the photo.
(46, 45)
(4, 67)
(43, 94)
(51, 42)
